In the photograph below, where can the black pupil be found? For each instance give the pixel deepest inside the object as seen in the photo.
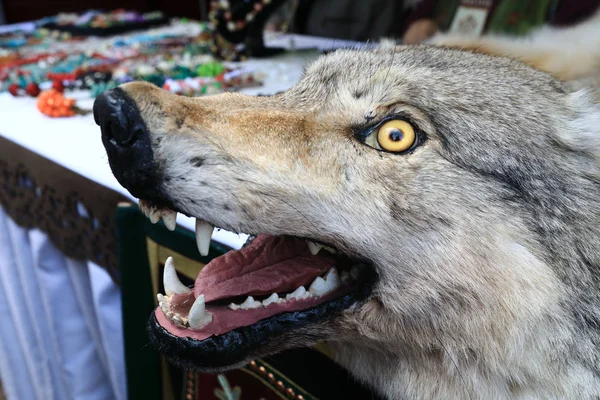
(396, 135)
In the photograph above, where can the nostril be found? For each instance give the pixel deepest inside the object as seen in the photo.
(120, 133)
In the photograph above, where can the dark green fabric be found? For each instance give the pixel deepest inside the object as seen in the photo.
(509, 16)
(142, 362)
(518, 17)
(444, 13)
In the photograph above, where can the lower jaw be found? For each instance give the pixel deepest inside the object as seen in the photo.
(219, 352)
(225, 319)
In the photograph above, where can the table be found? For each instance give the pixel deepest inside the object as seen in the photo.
(61, 335)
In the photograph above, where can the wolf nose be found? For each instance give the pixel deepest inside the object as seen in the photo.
(127, 142)
(116, 119)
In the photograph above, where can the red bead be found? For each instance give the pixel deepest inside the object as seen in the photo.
(14, 89)
(32, 89)
(58, 85)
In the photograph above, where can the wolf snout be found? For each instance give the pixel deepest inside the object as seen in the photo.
(127, 142)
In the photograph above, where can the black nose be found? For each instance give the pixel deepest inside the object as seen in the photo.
(114, 115)
(127, 142)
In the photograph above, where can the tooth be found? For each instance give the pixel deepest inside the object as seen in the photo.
(171, 282)
(250, 303)
(154, 216)
(177, 318)
(297, 294)
(318, 286)
(160, 297)
(234, 306)
(332, 280)
(169, 218)
(274, 298)
(345, 277)
(142, 206)
(204, 232)
(330, 249)
(165, 308)
(198, 317)
(314, 247)
(355, 272)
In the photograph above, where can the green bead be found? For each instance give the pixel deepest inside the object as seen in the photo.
(157, 79)
(210, 69)
(181, 72)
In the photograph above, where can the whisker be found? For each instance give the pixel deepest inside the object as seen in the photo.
(391, 65)
(462, 378)
(281, 200)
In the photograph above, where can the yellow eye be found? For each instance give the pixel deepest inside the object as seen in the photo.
(396, 136)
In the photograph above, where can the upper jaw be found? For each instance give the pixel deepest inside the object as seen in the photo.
(167, 212)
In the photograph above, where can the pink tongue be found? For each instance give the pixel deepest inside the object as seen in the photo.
(270, 264)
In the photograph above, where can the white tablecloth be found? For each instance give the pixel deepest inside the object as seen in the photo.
(61, 333)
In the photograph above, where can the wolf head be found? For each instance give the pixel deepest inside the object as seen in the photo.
(465, 185)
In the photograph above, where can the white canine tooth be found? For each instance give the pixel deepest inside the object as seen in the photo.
(233, 306)
(169, 218)
(314, 247)
(318, 286)
(160, 297)
(297, 294)
(171, 282)
(250, 303)
(154, 216)
(204, 232)
(198, 316)
(274, 298)
(332, 280)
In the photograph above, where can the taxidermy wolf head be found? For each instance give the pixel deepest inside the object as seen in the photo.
(433, 214)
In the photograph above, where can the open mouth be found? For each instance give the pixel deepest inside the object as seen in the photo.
(273, 285)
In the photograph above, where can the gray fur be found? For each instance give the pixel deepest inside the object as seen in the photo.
(486, 237)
